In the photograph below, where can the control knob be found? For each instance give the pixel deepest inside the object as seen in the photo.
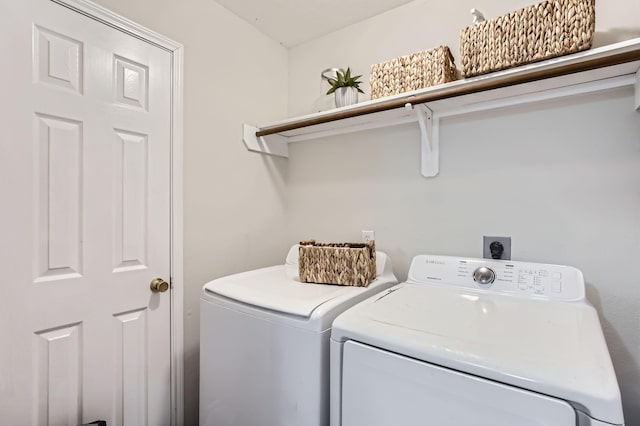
(484, 275)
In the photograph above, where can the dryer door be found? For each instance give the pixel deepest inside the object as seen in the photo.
(381, 388)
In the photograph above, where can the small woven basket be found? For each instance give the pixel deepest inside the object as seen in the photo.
(412, 72)
(542, 31)
(350, 264)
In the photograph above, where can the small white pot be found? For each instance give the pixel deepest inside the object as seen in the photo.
(346, 96)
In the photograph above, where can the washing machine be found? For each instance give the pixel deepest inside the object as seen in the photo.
(264, 344)
(474, 342)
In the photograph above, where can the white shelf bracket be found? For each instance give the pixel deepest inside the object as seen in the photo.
(271, 145)
(637, 89)
(430, 145)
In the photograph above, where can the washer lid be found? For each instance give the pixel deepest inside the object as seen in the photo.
(279, 289)
(552, 347)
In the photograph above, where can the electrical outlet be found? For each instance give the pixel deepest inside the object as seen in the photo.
(368, 236)
(506, 244)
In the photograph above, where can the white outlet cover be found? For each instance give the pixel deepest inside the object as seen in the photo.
(368, 236)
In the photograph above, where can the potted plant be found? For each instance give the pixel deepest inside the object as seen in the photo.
(345, 87)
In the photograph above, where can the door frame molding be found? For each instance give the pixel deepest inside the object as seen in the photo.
(105, 16)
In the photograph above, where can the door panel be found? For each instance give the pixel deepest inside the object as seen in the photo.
(85, 160)
(130, 201)
(58, 59)
(131, 366)
(59, 195)
(131, 83)
(59, 380)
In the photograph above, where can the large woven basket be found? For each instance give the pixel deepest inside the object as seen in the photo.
(412, 72)
(350, 264)
(542, 31)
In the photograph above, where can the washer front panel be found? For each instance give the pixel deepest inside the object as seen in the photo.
(380, 388)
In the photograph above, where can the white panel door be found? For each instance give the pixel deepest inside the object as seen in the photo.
(85, 221)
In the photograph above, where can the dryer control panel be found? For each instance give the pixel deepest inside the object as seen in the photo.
(536, 280)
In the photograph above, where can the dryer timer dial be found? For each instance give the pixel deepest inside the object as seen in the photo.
(484, 275)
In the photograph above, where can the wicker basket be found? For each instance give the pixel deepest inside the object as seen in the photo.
(412, 72)
(337, 263)
(542, 31)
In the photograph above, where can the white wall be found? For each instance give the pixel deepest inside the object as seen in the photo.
(233, 205)
(561, 178)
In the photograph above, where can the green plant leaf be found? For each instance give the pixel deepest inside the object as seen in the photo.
(344, 79)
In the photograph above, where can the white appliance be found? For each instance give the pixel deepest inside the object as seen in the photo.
(264, 345)
(474, 342)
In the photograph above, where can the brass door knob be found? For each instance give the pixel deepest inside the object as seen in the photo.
(158, 285)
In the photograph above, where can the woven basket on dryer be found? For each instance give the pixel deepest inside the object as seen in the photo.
(352, 264)
(412, 72)
(542, 31)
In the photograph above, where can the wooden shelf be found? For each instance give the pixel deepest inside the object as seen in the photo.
(590, 71)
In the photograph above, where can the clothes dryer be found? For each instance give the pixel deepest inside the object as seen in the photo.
(264, 344)
(474, 342)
